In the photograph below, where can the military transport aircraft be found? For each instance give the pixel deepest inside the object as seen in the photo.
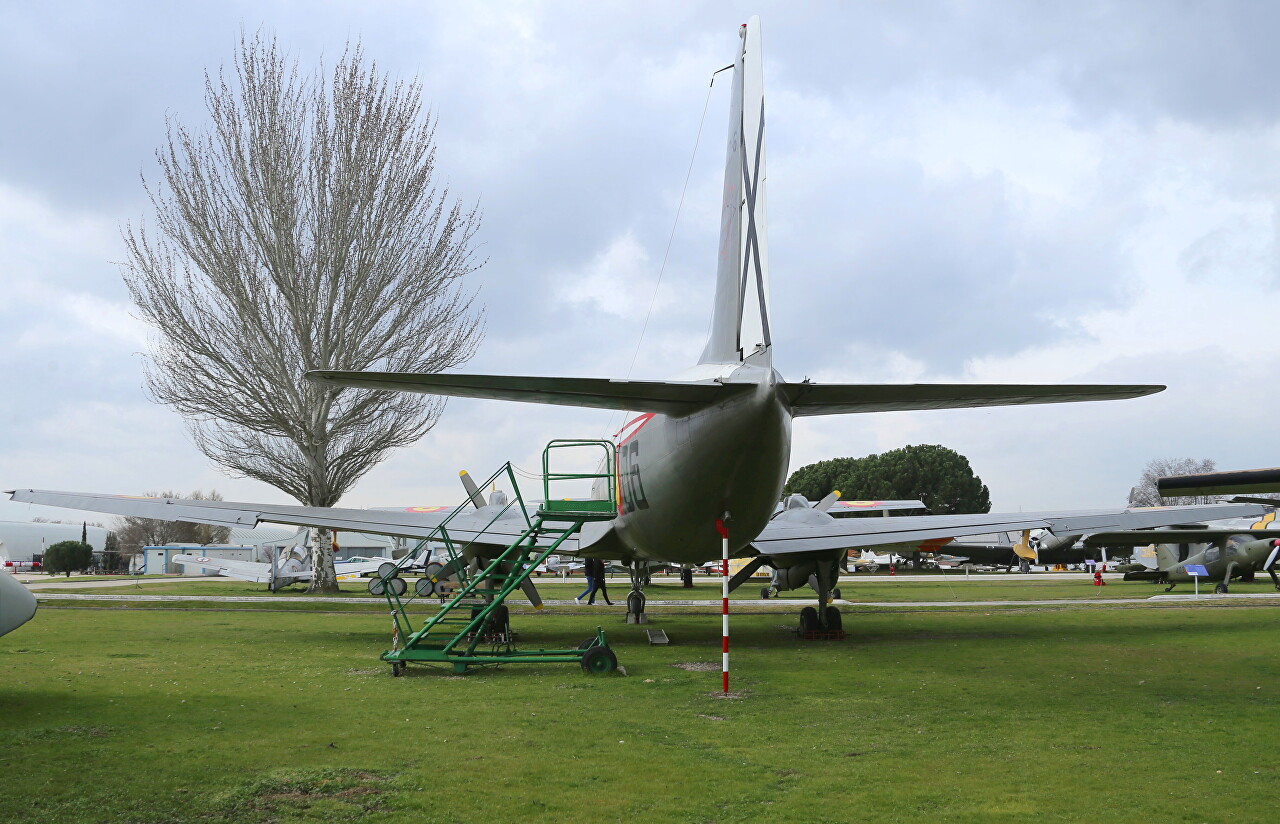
(1234, 549)
(709, 446)
(17, 604)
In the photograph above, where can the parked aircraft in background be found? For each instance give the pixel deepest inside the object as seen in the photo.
(1238, 549)
(17, 604)
(293, 567)
(709, 449)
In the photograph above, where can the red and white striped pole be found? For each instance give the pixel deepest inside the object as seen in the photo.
(724, 601)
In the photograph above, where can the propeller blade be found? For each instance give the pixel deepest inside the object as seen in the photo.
(531, 592)
(827, 502)
(1023, 548)
(473, 491)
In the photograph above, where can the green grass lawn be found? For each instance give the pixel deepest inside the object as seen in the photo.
(1074, 715)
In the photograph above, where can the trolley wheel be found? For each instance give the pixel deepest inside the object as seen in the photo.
(386, 570)
(835, 593)
(635, 602)
(425, 587)
(833, 619)
(808, 620)
(764, 593)
(599, 660)
(398, 586)
(397, 669)
(377, 587)
(590, 642)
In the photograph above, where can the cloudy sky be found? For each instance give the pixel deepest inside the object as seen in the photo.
(974, 192)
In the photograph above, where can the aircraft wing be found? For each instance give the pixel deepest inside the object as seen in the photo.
(840, 399)
(785, 538)
(467, 527)
(1173, 536)
(252, 571)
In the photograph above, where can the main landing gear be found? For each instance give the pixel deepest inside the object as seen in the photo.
(635, 598)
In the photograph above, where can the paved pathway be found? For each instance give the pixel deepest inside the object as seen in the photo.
(774, 603)
(40, 585)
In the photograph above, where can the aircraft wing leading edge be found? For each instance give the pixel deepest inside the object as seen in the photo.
(782, 538)
(840, 399)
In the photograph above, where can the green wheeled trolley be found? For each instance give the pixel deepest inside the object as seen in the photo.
(472, 628)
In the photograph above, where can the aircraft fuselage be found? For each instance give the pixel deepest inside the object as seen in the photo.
(677, 475)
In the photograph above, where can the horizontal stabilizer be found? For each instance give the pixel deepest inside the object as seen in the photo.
(664, 397)
(1170, 536)
(1240, 482)
(843, 398)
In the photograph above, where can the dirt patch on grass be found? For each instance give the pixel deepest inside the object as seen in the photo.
(698, 666)
(334, 794)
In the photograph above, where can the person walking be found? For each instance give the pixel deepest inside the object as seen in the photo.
(588, 569)
(597, 580)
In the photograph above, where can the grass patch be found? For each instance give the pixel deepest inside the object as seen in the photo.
(151, 717)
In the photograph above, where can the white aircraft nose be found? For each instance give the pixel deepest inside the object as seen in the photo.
(17, 604)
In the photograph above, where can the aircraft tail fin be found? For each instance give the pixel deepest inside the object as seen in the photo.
(1166, 556)
(740, 319)
(664, 397)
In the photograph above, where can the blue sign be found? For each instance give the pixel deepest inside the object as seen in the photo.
(1197, 570)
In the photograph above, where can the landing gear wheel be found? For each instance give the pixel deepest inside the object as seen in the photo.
(598, 660)
(386, 570)
(377, 587)
(1220, 589)
(635, 602)
(764, 593)
(833, 619)
(499, 621)
(425, 587)
(1170, 588)
(398, 586)
(835, 593)
(808, 620)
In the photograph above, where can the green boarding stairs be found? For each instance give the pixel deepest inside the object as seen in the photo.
(471, 628)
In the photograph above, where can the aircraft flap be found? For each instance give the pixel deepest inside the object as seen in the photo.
(1170, 536)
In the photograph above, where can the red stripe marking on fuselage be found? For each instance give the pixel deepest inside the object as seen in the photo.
(635, 425)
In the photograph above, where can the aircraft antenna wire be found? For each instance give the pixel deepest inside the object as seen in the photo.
(670, 239)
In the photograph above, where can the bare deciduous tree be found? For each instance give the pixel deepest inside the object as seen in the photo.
(1146, 494)
(303, 230)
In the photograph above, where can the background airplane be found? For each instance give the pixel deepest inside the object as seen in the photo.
(1237, 549)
